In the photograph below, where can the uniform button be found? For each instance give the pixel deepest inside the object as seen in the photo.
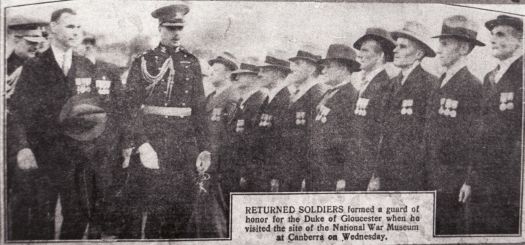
(183, 104)
(185, 56)
(186, 91)
(165, 116)
(187, 78)
(186, 67)
(165, 104)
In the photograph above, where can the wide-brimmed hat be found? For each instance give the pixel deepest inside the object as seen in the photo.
(245, 69)
(460, 27)
(304, 55)
(171, 15)
(382, 37)
(342, 53)
(275, 63)
(83, 118)
(415, 31)
(227, 59)
(505, 20)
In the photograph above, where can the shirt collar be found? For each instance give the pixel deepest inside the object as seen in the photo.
(301, 90)
(505, 64)
(60, 54)
(406, 73)
(452, 70)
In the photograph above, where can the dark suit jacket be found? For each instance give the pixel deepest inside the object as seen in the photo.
(450, 132)
(368, 122)
(332, 139)
(403, 149)
(243, 140)
(267, 134)
(291, 138)
(41, 92)
(500, 133)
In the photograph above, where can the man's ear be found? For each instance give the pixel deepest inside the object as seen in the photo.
(52, 26)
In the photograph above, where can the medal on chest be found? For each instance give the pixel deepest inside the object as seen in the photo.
(103, 86)
(266, 120)
(448, 107)
(83, 85)
(300, 118)
(406, 107)
(506, 101)
(216, 115)
(239, 128)
(322, 113)
(360, 108)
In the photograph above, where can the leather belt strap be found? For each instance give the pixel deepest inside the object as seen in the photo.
(167, 111)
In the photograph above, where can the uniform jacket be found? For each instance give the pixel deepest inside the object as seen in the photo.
(187, 91)
(403, 148)
(453, 114)
(13, 62)
(369, 116)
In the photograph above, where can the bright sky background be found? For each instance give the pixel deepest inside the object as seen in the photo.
(256, 28)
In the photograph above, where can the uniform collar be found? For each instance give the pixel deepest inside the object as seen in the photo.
(166, 49)
(452, 70)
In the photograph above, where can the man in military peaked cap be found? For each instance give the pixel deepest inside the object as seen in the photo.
(165, 127)
(375, 49)
(453, 110)
(402, 153)
(501, 141)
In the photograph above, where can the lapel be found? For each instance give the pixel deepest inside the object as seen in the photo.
(53, 66)
(510, 75)
(375, 85)
(454, 83)
(409, 85)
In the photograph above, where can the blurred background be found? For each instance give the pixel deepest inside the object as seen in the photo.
(250, 29)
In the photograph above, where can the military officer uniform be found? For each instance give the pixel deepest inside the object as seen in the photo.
(332, 135)
(166, 110)
(19, 183)
(267, 131)
(370, 105)
(402, 153)
(501, 140)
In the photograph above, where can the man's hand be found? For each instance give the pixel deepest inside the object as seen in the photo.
(340, 186)
(464, 193)
(203, 161)
(26, 160)
(126, 153)
(374, 184)
(274, 185)
(242, 182)
(148, 156)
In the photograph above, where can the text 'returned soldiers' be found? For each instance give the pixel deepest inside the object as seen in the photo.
(375, 49)
(293, 128)
(63, 110)
(453, 112)
(501, 127)
(273, 80)
(25, 36)
(165, 127)
(332, 137)
(403, 151)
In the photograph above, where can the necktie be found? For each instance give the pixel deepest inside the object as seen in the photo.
(441, 79)
(496, 77)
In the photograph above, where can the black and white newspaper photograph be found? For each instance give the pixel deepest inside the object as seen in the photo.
(262, 122)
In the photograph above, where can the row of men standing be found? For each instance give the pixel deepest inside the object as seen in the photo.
(274, 127)
(293, 130)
